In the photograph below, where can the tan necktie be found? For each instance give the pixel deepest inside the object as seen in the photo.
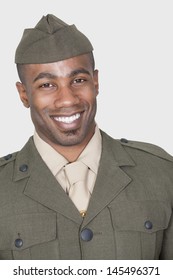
(76, 174)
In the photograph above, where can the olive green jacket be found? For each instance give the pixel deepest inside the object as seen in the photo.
(129, 215)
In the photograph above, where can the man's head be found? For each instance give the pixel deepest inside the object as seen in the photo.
(58, 81)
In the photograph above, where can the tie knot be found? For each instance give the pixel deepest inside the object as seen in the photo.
(76, 171)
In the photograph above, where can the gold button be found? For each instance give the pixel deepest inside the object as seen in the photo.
(83, 213)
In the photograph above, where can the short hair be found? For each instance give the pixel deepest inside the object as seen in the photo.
(20, 71)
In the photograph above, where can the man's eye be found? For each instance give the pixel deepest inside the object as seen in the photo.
(78, 81)
(46, 85)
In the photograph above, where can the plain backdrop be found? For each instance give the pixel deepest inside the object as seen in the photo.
(133, 47)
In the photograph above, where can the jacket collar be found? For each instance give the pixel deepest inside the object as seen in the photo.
(42, 187)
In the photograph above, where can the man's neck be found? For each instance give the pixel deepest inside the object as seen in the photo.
(71, 153)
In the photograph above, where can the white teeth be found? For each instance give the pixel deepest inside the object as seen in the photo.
(67, 119)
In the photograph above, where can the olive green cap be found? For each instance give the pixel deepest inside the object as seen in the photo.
(51, 40)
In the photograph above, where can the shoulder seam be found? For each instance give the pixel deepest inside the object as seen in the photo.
(149, 148)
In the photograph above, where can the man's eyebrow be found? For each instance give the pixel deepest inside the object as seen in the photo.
(73, 73)
(78, 71)
(43, 75)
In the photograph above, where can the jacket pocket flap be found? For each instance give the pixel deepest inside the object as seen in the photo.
(144, 216)
(22, 231)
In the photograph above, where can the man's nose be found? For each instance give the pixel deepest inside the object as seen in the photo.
(66, 97)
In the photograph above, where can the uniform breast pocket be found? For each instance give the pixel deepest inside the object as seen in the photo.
(28, 236)
(139, 227)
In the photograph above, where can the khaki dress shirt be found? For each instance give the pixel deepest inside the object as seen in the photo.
(90, 156)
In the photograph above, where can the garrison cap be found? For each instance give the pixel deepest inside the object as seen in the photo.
(51, 40)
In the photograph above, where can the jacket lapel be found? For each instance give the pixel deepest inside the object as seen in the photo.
(41, 185)
(111, 179)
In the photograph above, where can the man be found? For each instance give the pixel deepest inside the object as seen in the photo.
(123, 207)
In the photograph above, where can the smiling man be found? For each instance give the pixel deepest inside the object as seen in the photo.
(62, 99)
(73, 192)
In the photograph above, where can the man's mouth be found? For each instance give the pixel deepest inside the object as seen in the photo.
(68, 119)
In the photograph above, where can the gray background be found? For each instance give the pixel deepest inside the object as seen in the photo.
(133, 42)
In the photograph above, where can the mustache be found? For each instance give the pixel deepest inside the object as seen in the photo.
(66, 110)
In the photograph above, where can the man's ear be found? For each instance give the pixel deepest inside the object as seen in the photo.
(23, 95)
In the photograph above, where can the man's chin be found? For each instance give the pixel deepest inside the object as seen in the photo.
(69, 138)
(71, 141)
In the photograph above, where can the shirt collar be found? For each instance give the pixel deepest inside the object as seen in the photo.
(90, 156)
(54, 160)
(92, 152)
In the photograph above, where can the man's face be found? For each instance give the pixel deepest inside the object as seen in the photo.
(62, 99)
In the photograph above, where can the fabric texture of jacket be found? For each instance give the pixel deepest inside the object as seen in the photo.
(129, 215)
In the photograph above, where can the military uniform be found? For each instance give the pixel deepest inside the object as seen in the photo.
(129, 214)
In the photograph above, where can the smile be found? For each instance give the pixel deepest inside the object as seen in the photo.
(67, 119)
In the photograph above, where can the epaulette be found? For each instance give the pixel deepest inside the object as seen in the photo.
(147, 147)
(8, 158)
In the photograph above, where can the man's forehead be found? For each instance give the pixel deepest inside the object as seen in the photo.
(55, 70)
